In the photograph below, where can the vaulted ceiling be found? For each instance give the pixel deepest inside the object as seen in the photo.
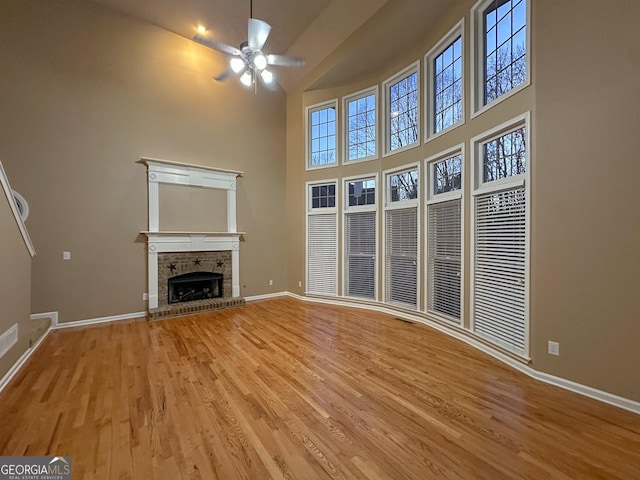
(312, 29)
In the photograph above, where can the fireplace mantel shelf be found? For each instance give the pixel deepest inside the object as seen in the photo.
(185, 233)
(192, 241)
(186, 166)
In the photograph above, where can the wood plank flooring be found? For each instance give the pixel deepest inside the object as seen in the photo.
(285, 389)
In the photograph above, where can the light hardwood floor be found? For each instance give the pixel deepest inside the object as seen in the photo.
(285, 389)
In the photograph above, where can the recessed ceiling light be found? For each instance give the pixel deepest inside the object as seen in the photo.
(201, 29)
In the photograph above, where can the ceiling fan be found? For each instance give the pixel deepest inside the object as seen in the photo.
(249, 61)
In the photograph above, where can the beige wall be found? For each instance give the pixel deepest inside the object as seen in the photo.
(15, 287)
(86, 93)
(585, 218)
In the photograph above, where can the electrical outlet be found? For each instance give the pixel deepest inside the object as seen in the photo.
(300, 284)
(145, 296)
(66, 255)
(270, 282)
(553, 348)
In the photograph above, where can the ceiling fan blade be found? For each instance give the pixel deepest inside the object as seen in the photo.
(258, 33)
(219, 46)
(285, 61)
(221, 77)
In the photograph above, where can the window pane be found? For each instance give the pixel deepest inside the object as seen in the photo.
(448, 73)
(505, 47)
(361, 126)
(404, 186)
(323, 196)
(505, 156)
(403, 112)
(322, 134)
(447, 175)
(362, 192)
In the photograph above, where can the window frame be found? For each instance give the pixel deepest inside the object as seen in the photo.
(477, 59)
(375, 91)
(308, 140)
(477, 163)
(318, 183)
(434, 198)
(400, 205)
(482, 188)
(445, 42)
(386, 85)
(361, 208)
(310, 211)
(387, 174)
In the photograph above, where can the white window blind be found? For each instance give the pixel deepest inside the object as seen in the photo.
(500, 267)
(360, 254)
(322, 254)
(444, 241)
(401, 255)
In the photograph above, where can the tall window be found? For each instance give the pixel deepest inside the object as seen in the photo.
(500, 240)
(444, 67)
(402, 110)
(322, 238)
(444, 236)
(505, 47)
(401, 238)
(502, 56)
(360, 238)
(361, 124)
(321, 135)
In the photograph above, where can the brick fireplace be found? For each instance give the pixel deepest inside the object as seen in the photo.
(172, 265)
(186, 259)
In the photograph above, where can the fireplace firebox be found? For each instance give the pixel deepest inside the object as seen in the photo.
(194, 286)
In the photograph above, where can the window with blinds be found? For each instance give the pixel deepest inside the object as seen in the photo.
(322, 254)
(401, 237)
(444, 251)
(499, 267)
(500, 237)
(360, 254)
(444, 235)
(322, 239)
(360, 238)
(401, 257)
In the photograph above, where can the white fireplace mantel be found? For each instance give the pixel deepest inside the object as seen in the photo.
(165, 171)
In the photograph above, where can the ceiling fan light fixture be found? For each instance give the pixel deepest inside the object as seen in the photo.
(248, 62)
(267, 76)
(237, 64)
(260, 61)
(246, 79)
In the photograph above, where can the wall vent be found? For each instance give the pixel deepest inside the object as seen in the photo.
(8, 339)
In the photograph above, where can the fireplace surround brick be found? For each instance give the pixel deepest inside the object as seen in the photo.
(188, 262)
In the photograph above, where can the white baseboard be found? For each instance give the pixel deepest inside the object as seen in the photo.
(520, 365)
(52, 315)
(265, 296)
(587, 391)
(95, 321)
(22, 360)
